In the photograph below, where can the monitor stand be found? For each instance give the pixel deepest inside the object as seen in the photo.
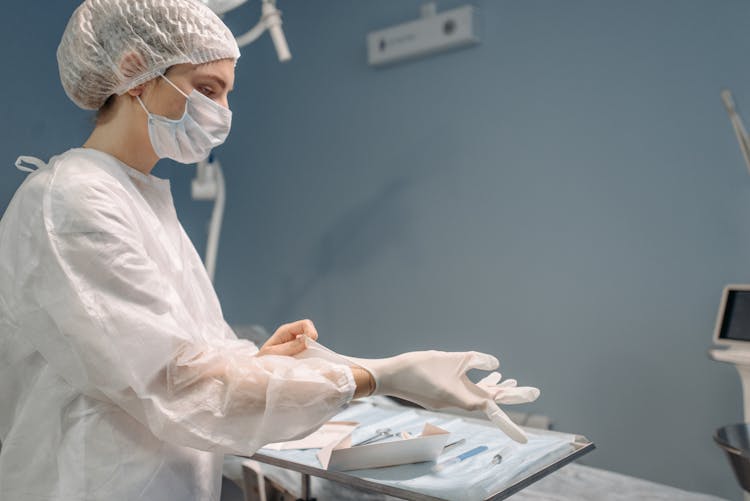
(741, 360)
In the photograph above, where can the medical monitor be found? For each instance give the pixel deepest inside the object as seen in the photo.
(733, 321)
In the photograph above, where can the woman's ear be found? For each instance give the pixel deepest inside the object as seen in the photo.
(132, 64)
(137, 90)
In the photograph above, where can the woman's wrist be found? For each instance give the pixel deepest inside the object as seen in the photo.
(364, 381)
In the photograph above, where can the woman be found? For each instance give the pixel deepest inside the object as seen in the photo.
(119, 377)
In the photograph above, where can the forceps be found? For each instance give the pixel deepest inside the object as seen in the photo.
(379, 435)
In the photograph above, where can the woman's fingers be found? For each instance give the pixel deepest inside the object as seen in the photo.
(291, 331)
(289, 339)
(300, 328)
(288, 349)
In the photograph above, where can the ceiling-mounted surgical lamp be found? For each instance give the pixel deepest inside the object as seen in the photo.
(209, 181)
(737, 125)
(270, 20)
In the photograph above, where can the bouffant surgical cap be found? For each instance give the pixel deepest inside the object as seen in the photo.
(111, 46)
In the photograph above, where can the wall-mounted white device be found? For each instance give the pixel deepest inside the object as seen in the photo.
(433, 32)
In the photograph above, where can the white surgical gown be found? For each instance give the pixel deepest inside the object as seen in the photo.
(119, 378)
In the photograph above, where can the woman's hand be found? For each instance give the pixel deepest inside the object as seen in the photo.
(288, 340)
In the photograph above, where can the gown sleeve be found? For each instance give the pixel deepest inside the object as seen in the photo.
(115, 328)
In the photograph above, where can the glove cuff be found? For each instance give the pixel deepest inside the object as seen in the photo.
(367, 364)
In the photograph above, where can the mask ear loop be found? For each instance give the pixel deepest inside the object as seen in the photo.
(143, 105)
(170, 83)
(173, 85)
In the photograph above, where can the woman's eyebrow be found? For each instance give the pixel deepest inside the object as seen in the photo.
(217, 79)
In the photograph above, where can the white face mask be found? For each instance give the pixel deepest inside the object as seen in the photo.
(204, 126)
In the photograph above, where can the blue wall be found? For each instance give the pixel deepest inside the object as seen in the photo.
(568, 195)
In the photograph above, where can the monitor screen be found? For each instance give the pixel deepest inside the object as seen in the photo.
(735, 325)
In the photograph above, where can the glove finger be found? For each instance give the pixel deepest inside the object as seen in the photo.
(490, 380)
(482, 361)
(481, 393)
(508, 383)
(491, 392)
(502, 421)
(520, 395)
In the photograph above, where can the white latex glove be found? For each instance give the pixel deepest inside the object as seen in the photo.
(437, 379)
(507, 392)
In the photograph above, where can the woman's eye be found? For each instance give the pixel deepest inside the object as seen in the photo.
(205, 90)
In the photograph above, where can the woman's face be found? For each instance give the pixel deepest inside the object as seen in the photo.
(215, 80)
